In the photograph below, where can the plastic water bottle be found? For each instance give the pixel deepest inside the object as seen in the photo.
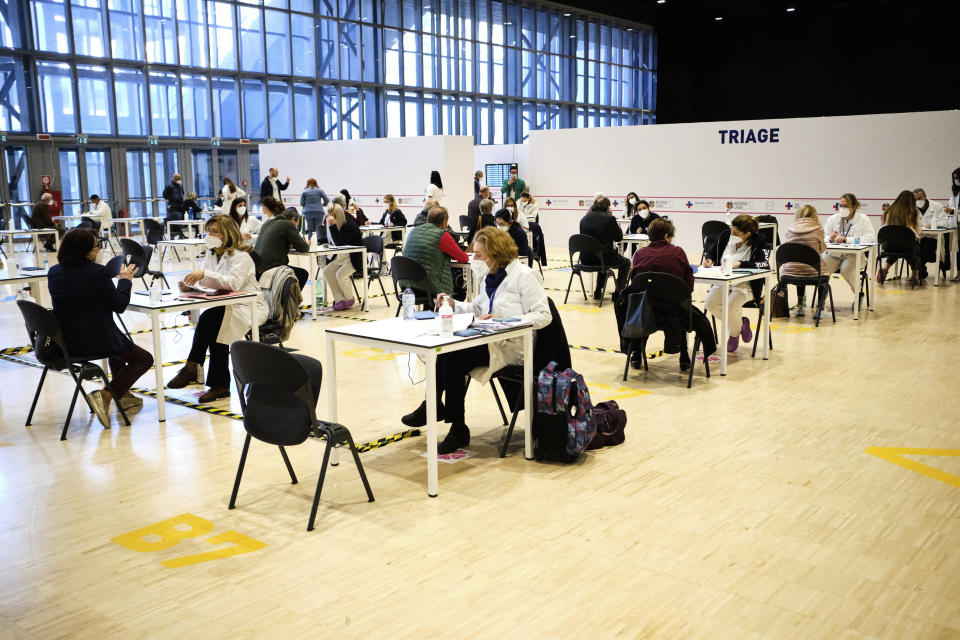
(155, 293)
(46, 265)
(408, 300)
(726, 267)
(446, 318)
(856, 242)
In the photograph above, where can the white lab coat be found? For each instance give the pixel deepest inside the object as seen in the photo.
(102, 212)
(228, 197)
(234, 272)
(935, 213)
(250, 225)
(435, 192)
(531, 211)
(520, 295)
(860, 227)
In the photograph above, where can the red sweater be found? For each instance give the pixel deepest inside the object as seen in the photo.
(663, 257)
(450, 247)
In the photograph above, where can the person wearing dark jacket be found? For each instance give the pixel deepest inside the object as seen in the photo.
(662, 256)
(341, 231)
(641, 220)
(42, 218)
(600, 224)
(84, 300)
(484, 219)
(506, 222)
(190, 206)
(173, 194)
(278, 236)
(473, 207)
(477, 177)
(744, 247)
(393, 217)
(271, 185)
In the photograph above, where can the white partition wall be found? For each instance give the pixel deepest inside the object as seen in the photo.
(696, 172)
(370, 168)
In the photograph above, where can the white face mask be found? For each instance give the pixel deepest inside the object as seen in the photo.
(212, 242)
(738, 239)
(956, 182)
(921, 204)
(643, 212)
(241, 211)
(632, 201)
(844, 211)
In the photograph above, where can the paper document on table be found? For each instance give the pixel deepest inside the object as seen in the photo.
(499, 324)
(710, 272)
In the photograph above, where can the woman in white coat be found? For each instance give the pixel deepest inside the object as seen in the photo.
(435, 189)
(229, 192)
(529, 208)
(511, 290)
(248, 225)
(228, 266)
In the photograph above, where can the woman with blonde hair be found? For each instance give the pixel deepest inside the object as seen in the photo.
(510, 290)
(228, 266)
(342, 230)
(806, 229)
(516, 214)
(392, 217)
(313, 199)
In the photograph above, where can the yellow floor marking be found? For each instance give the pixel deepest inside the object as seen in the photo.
(895, 455)
(622, 392)
(580, 308)
(241, 544)
(378, 354)
(6, 444)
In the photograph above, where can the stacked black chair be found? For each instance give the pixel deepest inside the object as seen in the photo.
(50, 349)
(278, 403)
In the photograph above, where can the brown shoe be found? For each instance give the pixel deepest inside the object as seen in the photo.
(189, 374)
(130, 401)
(215, 393)
(100, 408)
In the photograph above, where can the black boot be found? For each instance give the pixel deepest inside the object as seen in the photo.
(457, 438)
(684, 360)
(418, 417)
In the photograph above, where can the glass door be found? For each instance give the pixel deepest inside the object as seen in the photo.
(70, 182)
(98, 179)
(139, 184)
(227, 167)
(17, 196)
(203, 177)
(166, 163)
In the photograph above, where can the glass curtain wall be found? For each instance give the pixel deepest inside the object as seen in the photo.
(321, 69)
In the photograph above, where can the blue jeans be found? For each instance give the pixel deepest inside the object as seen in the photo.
(315, 223)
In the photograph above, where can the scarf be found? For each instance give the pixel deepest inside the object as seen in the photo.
(491, 282)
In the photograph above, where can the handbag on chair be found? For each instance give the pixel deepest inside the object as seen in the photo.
(640, 320)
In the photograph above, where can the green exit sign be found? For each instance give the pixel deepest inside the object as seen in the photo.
(153, 140)
(214, 142)
(3, 137)
(81, 138)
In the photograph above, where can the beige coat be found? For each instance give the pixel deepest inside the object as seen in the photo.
(810, 233)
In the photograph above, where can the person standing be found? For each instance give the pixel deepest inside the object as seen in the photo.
(600, 224)
(228, 193)
(477, 177)
(271, 185)
(847, 223)
(953, 208)
(434, 189)
(173, 194)
(514, 186)
(313, 201)
(473, 207)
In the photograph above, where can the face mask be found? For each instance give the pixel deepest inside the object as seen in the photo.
(739, 240)
(212, 242)
(956, 182)
(632, 201)
(844, 211)
(241, 211)
(643, 212)
(921, 204)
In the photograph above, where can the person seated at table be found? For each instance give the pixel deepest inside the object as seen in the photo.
(228, 266)
(340, 231)
(191, 210)
(100, 213)
(84, 300)
(516, 214)
(806, 229)
(510, 290)
(313, 202)
(662, 256)
(432, 247)
(473, 207)
(934, 215)
(903, 213)
(744, 247)
(41, 218)
(505, 222)
(600, 224)
(632, 200)
(353, 210)
(277, 238)
(529, 208)
(393, 217)
(484, 219)
(642, 217)
(848, 222)
(421, 218)
(248, 225)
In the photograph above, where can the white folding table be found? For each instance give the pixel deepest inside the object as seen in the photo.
(413, 336)
(940, 235)
(172, 303)
(38, 278)
(34, 236)
(314, 269)
(862, 252)
(194, 246)
(634, 241)
(189, 224)
(726, 283)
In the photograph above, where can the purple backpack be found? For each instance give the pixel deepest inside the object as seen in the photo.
(563, 423)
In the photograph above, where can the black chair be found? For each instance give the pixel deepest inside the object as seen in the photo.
(550, 346)
(587, 246)
(402, 268)
(50, 349)
(803, 254)
(464, 223)
(272, 331)
(670, 296)
(143, 254)
(900, 243)
(154, 235)
(537, 232)
(278, 403)
(374, 246)
(710, 231)
(113, 267)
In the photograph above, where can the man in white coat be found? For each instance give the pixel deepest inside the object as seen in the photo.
(847, 224)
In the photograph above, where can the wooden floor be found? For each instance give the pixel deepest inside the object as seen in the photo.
(747, 506)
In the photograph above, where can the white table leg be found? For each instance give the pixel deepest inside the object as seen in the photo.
(856, 304)
(871, 278)
(724, 328)
(158, 365)
(936, 263)
(36, 249)
(528, 395)
(312, 272)
(768, 288)
(11, 256)
(254, 327)
(433, 482)
(363, 258)
(332, 378)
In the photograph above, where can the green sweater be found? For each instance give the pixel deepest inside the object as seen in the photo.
(515, 190)
(423, 246)
(277, 237)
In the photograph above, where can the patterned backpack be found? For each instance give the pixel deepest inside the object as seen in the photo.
(563, 424)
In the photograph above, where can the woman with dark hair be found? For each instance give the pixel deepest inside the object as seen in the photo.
(228, 266)
(642, 217)
(249, 227)
(229, 192)
(506, 222)
(84, 300)
(952, 210)
(903, 213)
(632, 201)
(743, 246)
(435, 188)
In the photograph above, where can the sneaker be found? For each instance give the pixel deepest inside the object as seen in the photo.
(342, 305)
(745, 331)
(349, 303)
(733, 343)
(99, 408)
(798, 311)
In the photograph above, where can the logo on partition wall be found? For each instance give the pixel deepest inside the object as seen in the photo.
(549, 202)
(688, 204)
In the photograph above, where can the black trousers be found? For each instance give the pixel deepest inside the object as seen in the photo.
(452, 370)
(127, 366)
(622, 265)
(302, 275)
(205, 339)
